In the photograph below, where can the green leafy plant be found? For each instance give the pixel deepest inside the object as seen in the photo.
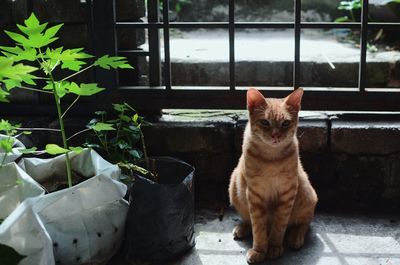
(350, 6)
(11, 131)
(177, 5)
(34, 60)
(118, 135)
(353, 7)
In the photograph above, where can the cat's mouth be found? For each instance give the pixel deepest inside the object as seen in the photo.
(276, 141)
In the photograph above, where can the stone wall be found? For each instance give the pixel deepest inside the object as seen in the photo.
(353, 162)
(255, 10)
(354, 165)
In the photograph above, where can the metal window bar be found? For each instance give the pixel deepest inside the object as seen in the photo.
(232, 45)
(162, 94)
(213, 97)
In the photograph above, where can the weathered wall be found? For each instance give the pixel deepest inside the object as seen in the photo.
(354, 163)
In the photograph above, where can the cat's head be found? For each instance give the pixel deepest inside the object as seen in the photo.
(274, 120)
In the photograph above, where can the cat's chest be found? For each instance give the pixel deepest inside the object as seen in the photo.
(270, 180)
(273, 171)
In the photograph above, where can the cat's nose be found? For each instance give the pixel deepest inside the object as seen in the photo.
(276, 135)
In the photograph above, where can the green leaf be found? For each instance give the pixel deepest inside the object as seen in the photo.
(28, 150)
(342, 19)
(54, 149)
(20, 53)
(122, 145)
(62, 87)
(6, 145)
(100, 126)
(135, 154)
(350, 5)
(85, 89)
(120, 107)
(100, 112)
(8, 256)
(65, 87)
(115, 62)
(11, 83)
(8, 128)
(3, 96)
(36, 35)
(70, 59)
(135, 118)
(77, 149)
(17, 37)
(18, 72)
(124, 118)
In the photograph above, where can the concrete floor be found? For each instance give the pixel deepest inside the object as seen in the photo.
(268, 45)
(333, 240)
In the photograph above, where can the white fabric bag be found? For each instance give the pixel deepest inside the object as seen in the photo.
(15, 153)
(85, 222)
(25, 233)
(15, 188)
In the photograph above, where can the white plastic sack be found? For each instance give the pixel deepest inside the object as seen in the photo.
(15, 153)
(15, 187)
(25, 233)
(86, 222)
(52, 171)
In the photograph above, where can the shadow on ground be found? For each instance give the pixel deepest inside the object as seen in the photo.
(332, 240)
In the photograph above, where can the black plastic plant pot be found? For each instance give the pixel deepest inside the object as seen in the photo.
(160, 222)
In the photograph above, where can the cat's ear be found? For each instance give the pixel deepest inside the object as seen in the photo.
(254, 99)
(294, 99)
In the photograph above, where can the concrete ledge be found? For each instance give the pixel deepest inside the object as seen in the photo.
(365, 137)
(351, 164)
(312, 135)
(189, 137)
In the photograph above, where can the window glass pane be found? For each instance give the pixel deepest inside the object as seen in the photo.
(265, 11)
(327, 62)
(383, 59)
(264, 57)
(199, 57)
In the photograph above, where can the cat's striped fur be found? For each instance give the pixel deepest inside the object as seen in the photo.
(269, 187)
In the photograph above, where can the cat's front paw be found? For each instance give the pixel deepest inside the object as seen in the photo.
(241, 231)
(295, 241)
(253, 256)
(274, 252)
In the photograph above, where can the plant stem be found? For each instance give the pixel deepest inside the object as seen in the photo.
(70, 106)
(5, 154)
(352, 16)
(120, 123)
(38, 129)
(77, 73)
(103, 143)
(64, 138)
(146, 158)
(78, 133)
(4, 159)
(35, 89)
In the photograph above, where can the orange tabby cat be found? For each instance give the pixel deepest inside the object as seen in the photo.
(269, 187)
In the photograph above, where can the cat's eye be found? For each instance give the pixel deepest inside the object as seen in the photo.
(264, 123)
(285, 123)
